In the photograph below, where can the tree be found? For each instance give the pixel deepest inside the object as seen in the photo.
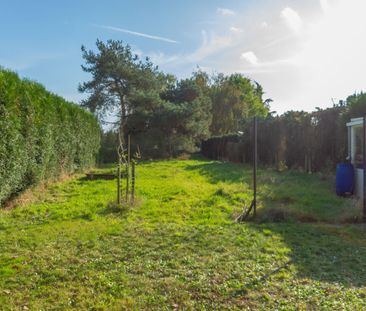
(107, 152)
(116, 74)
(172, 121)
(193, 109)
(234, 99)
(163, 115)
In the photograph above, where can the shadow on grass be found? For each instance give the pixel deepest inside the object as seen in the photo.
(113, 208)
(289, 195)
(293, 205)
(221, 171)
(101, 176)
(326, 253)
(90, 177)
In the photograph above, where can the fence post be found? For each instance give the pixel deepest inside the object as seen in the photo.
(133, 182)
(255, 167)
(364, 168)
(119, 184)
(128, 166)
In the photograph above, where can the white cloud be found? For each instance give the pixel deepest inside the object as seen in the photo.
(250, 57)
(292, 19)
(160, 58)
(325, 5)
(211, 45)
(236, 29)
(321, 57)
(333, 56)
(139, 34)
(324, 60)
(264, 25)
(226, 12)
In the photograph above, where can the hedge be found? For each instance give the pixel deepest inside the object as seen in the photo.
(313, 142)
(41, 135)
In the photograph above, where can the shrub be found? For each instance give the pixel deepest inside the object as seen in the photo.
(41, 135)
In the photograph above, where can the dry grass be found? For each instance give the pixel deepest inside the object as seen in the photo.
(36, 193)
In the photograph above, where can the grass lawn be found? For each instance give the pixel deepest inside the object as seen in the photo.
(179, 248)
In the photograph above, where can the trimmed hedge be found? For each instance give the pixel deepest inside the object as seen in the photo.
(41, 135)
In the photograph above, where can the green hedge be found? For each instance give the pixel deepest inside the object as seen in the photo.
(41, 135)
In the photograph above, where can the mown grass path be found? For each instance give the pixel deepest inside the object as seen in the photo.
(179, 248)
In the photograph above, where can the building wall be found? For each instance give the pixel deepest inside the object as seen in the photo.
(354, 149)
(359, 182)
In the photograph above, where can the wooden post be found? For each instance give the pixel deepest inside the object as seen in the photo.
(255, 167)
(133, 182)
(128, 166)
(119, 184)
(364, 168)
(129, 149)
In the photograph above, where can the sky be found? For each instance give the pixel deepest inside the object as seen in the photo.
(305, 54)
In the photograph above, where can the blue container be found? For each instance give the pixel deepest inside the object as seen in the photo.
(345, 179)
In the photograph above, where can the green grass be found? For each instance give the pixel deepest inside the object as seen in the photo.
(178, 248)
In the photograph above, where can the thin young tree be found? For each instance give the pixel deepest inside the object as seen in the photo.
(116, 74)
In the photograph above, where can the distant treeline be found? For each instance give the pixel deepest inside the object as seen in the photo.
(175, 118)
(41, 135)
(310, 141)
(164, 116)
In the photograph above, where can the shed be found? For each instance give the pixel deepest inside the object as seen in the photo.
(355, 152)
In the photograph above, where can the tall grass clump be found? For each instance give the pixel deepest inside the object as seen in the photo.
(41, 135)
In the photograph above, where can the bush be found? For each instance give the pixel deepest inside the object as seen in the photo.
(41, 135)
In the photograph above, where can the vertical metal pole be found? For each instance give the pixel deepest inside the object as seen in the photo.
(255, 166)
(128, 166)
(364, 168)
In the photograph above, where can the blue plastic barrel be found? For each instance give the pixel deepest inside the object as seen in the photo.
(345, 179)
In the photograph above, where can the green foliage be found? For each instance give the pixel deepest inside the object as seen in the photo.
(234, 99)
(355, 106)
(179, 248)
(107, 151)
(164, 116)
(314, 141)
(177, 122)
(42, 135)
(116, 74)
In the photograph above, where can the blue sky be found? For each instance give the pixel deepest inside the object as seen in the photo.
(304, 53)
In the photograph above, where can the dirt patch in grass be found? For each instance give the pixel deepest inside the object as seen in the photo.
(283, 214)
